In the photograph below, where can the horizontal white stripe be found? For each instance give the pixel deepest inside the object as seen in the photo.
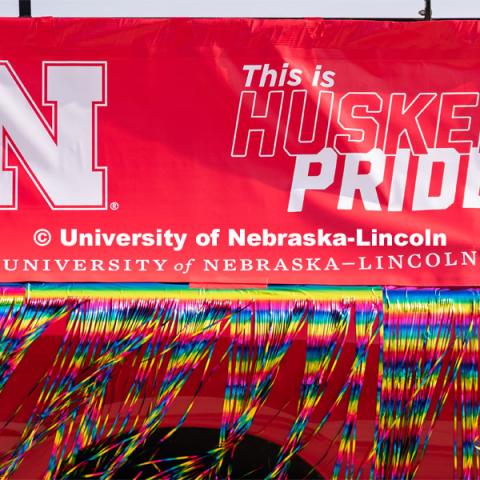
(9, 8)
(457, 9)
(230, 8)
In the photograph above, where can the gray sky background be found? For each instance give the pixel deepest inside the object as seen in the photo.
(253, 8)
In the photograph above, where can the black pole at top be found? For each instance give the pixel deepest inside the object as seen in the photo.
(25, 8)
(428, 9)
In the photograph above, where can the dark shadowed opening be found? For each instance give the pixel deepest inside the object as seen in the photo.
(253, 459)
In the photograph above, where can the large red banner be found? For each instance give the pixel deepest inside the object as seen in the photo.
(240, 151)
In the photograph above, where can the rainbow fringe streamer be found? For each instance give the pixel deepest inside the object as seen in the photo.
(382, 373)
(327, 327)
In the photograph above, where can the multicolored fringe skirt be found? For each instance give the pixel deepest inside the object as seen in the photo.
(167, 382)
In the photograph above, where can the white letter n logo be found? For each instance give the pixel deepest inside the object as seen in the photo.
(61, 158)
